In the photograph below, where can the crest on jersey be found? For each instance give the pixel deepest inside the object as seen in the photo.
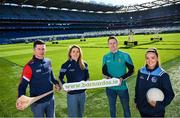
(154, 79)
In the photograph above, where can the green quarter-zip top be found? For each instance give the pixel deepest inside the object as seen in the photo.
(117, 64)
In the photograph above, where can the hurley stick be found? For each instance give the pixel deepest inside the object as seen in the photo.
(24, 101)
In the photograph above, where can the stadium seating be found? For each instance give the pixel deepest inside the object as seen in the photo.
(18, 22)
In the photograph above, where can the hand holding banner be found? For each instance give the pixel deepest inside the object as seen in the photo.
(24, 101)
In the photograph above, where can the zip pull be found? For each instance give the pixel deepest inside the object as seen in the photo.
(113, 56)
(148, 76)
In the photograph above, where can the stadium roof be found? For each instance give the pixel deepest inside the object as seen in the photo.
(89, 6)
(148, 5)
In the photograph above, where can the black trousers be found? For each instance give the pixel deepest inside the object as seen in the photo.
(143, 115)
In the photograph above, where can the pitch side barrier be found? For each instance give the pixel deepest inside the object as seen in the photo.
(94, 34)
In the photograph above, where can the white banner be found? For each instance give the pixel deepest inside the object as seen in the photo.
(92, 84)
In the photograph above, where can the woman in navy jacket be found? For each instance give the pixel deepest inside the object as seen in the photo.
(76, 70)
(152, 76)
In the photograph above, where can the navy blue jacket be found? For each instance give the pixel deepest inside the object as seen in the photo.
(73, 73)
(38, 74)
(156, 78)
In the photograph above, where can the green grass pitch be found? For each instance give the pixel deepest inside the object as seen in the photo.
(14, 56)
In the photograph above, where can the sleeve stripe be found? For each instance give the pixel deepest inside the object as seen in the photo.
(27, 79)
(63, 70)
(161, 73)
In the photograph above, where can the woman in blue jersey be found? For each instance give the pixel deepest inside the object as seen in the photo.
(152, 76)
(76, 70)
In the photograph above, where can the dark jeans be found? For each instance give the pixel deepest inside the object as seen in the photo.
(45, 108)
(124, 98)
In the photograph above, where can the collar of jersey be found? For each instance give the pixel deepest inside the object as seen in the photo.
(36, 59)
(114, 52)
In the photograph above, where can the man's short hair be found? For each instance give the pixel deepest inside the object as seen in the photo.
(38, 42)
(112, 37)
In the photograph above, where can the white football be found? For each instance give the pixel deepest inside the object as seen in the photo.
(155, 94)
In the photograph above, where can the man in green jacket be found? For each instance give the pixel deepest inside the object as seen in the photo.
(115, 64)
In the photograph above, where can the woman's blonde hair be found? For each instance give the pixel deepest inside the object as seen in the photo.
(154, 50)
(80, 59)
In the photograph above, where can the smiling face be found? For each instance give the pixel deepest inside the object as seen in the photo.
(39, 51)
(74, 54)
(151, 60)
(113, 45)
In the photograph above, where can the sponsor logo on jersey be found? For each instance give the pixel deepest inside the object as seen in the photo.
(71, 70)
(38, 70)
(141, 77)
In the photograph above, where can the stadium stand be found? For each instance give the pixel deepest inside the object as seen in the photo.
(18, 22)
